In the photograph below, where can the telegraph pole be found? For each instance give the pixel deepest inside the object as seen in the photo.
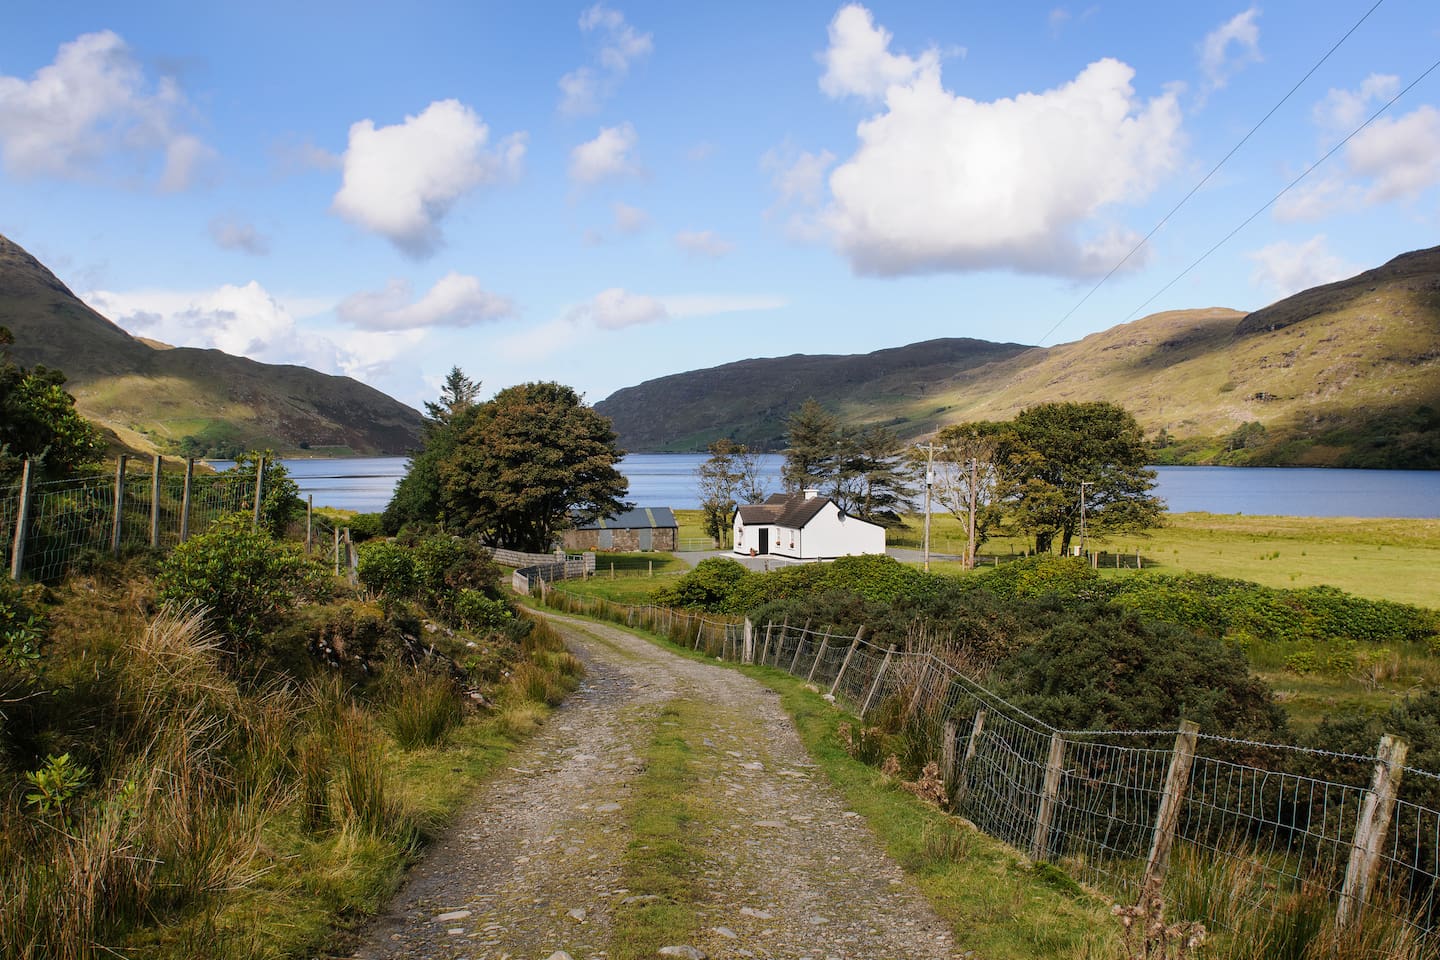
(1083, 485)
(929, 449)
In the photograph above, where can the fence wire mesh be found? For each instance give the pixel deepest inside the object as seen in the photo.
(1282, 817)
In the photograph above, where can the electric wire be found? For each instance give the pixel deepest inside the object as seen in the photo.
(1206, 179)
(1288, 187)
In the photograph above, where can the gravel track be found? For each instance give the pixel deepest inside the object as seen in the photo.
(533, 866)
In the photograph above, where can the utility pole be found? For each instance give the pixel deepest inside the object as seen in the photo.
(929, 449)
(1083, 485)
(970, 523)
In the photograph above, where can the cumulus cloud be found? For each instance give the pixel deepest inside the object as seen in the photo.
(858, 61)
(1285, 268)
(606, 157)
(456, 300)
(616, 309)
(239, 235)
(583, 89)
(1392, 159)
(1228, 48)
(941, 182)
(703, 243)
(400, 181)
(628, 219)
(247, 321)
(92, 112)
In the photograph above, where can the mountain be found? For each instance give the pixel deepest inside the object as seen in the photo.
(180, 400)
(1346, 374)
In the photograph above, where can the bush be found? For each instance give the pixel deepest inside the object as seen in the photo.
(388, 569)
(716, 585)
(476, 611)
(243, 578)
(1102, 668)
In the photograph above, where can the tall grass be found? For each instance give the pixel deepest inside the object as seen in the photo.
(424, 707)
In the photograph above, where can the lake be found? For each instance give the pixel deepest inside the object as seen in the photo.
(668, 480)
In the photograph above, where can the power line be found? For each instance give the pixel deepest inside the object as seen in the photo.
(1271, 202)
(1213, 170)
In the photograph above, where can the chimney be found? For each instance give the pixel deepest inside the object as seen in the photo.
(811, 493)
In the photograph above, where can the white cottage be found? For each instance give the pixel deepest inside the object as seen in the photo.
(804, 526)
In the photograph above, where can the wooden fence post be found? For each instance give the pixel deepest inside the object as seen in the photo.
(819, 655)
(22, 523)
(972, 744)
(185, 499)
(846, 663)
(747, 650)
(352, 559)
(1054, 766)
(799, 645)
(155, 503)
(336, 531)
(950, 734)
(1177, 782)
(919, 690)
(765, 647)
(309, 523)
(115, 528)
(875, 685)
(259, 491)
(1370, 830)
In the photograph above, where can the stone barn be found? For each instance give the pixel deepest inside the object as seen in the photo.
(644, 528)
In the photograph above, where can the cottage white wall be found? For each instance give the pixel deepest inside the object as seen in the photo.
(832, 534)
(746, 537)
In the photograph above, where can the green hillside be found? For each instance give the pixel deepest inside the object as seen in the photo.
(153, 397)
(1347, 374)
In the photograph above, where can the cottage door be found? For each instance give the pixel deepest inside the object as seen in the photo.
(764, 539)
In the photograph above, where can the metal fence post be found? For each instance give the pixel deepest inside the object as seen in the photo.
(22, 522)
(185, 499)
(116, 527)
(155, 503)
(1371, 828)
(879, 678)
(841, 675)
(1171, 802)
(1054, 766)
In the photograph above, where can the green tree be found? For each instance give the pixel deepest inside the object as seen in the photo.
(1047, 451)
(812, 437)
(418, 497)
(530, 462)
(964, 477)
(873, 478)
(730, 476)
(38, 421)
(279, 495)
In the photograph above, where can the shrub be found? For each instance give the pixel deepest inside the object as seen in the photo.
(388, 569)
(1038, 576)
(244, 579)
(476, 611)
(714, 585)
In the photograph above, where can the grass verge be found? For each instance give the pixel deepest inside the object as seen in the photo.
(665, 857)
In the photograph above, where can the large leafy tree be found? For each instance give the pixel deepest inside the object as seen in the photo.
(731, 475)
(1046, 453)
(38, 421)
(529, 462)
(418, 497)
(965, 480)
(873, 478)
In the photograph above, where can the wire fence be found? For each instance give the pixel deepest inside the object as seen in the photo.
(1255, 821)
(54, 525)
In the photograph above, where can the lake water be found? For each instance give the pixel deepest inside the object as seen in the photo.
(668, 480)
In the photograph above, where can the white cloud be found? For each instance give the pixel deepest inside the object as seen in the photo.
(628, 219)
(456, 300)
(1399, 156)
(93, 110)
(858, 61)
(400, 181)
(583, 89)
(606, 157)
(702, 243)
(616, 309)
(1343, 110)
(798, 176)
(1228, 48)
(246, 320)
(1285, 268)
(231, 234)
(941, 182)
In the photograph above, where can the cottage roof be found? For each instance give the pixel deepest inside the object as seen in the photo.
(792, 510)
(641, 518)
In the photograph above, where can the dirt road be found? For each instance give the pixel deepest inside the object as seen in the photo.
(533, 869)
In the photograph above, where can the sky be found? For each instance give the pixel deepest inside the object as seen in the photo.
(603, 194)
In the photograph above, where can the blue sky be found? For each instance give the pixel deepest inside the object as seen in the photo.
(604, 194)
